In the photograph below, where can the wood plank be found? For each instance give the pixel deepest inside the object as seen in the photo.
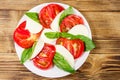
(105, 43)
(104, 25)
(97, 67)
(8, 22)
(105, 51)
(84, 5)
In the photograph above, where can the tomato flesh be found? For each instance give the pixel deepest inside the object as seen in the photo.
(69, 22)
(78, 48)
(75, 47)
(48, 13)
(44, 59)
(23, 37)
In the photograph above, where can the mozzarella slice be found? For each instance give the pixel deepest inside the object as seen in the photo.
(66, 54)
(79, 30)
(45, 39)
(39, 46)
(55, 23)
(33, 26)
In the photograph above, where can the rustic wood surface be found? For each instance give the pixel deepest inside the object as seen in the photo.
(103, 62)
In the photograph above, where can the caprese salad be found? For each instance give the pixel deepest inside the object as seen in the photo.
(54, 36)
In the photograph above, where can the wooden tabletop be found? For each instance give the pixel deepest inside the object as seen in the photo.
(103, 62)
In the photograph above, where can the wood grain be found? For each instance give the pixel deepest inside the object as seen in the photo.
(108, 65)
(83, 5)
(103, 62)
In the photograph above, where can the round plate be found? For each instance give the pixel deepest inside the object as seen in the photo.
(53, 72)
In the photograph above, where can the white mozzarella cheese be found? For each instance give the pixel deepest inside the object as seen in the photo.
(39, 46)
(66, 54)
(79, 30)
(33, 26)
(55, 23)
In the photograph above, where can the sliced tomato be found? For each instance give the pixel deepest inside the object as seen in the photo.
(23, 37)
(78, 48)
(42, 63)
(44, 59)
(48, 13)
(75, 47)
(70, 21)
(61, 41)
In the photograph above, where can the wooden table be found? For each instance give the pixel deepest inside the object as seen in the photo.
(103, 62)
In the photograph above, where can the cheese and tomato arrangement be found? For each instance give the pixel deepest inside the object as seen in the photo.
(54, 35)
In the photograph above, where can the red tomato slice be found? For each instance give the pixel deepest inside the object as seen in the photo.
(42, 63)
(44, 59)
(69, 22)
(48, 13)
(75, 47)
(23, 37)
(78, 48)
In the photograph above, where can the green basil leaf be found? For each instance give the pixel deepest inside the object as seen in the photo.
(67, 35)
(33, 15)
(61, 63)
(58, 56)
(27, 53)
(89, 44)
(33, 47)
(52, 35)
(66, 12)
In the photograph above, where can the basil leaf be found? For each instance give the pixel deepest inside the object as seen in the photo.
(61, 63)
(67, 35)
(33, 15)
(52, 35)
(33, 47)
(66, 12)
(89, 44)
(27, 53)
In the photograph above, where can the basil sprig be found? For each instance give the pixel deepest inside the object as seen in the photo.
(89, 44)
(27, 53)
(61, 63)
(66, 12)
(33, 15)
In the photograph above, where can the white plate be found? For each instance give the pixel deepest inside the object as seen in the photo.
(52, 72)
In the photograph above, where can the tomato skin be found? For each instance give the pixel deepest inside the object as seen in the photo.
(44, 59)
(75, 47)
(70, 21)
(23, 37)
(42, 63)
(78, 47)
(48, 13)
